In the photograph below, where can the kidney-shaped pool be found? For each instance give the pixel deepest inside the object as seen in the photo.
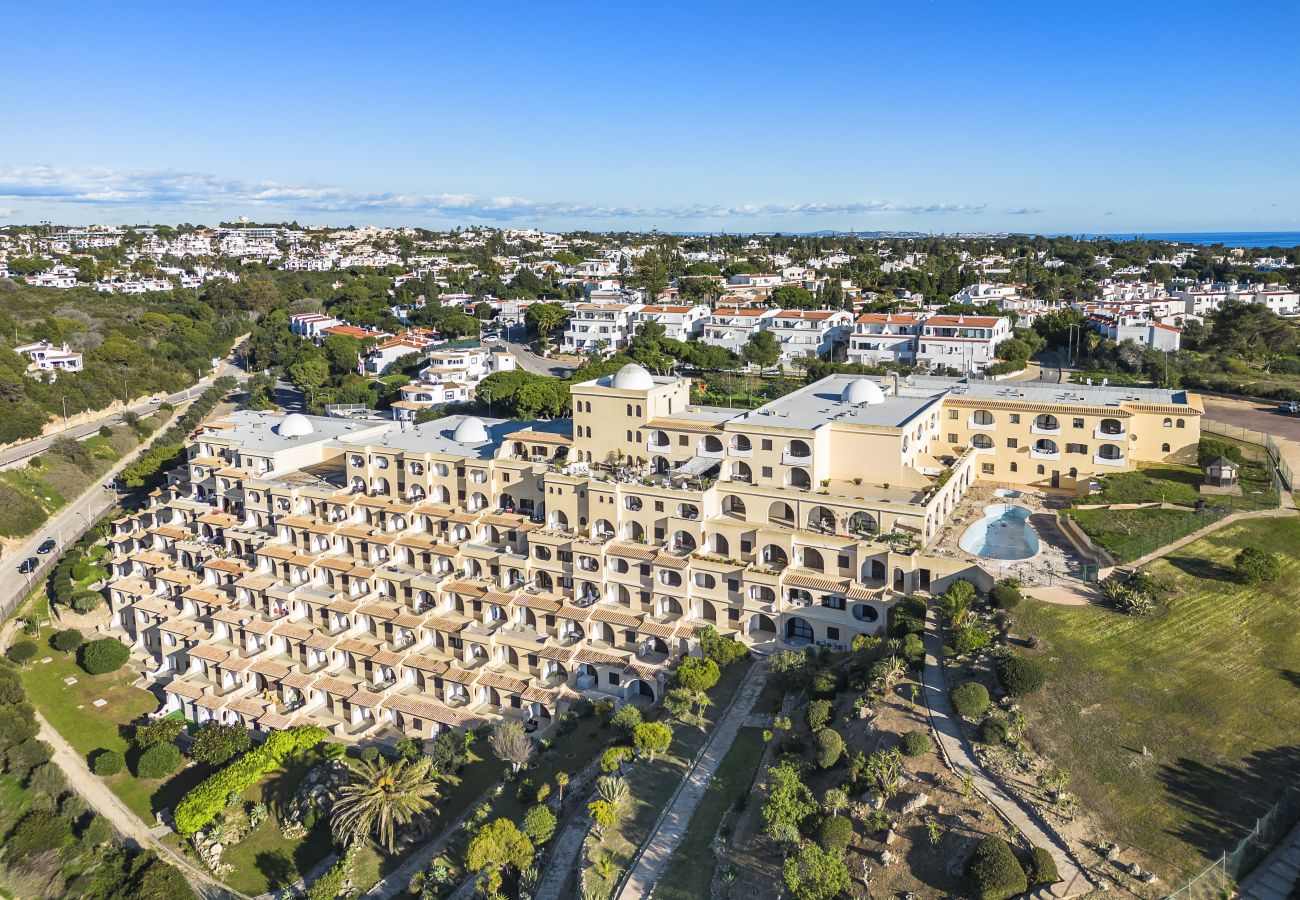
(1003, 533)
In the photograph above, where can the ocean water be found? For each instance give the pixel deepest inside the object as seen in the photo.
(1206, 238)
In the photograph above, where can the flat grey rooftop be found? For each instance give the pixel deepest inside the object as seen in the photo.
(1046, 392)
(437, 436)
(815, 405)
(258, 432)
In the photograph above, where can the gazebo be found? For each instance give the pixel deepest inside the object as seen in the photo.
(1221, 472)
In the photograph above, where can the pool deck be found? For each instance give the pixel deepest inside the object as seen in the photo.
(1055, 563)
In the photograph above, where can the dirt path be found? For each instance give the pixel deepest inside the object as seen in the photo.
(107, 804)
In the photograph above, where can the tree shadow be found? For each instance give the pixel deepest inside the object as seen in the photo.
(1199, 567)
(1290, 675)
(1221, 802)
(277, 867)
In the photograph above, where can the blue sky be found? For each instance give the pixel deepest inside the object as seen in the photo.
(947, 115)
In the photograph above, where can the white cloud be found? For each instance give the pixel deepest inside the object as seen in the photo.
(1023, 211)
(170, 189)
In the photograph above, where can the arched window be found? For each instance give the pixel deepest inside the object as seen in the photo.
(1042, 470)
(1164, 448)
(780, 513)
(982, 417)
(1169, 423)
(1047, 422)
(1181, 423)
(1045, 445)
(1110, 451)
(982, 442)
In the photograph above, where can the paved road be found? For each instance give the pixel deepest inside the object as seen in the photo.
(956, 752)
(516, 341)
(658, 851)
(1257, 415)
(107, 804)
(70, 522)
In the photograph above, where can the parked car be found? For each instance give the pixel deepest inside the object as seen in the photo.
(29, 564)
(156, 401)
(47, 546)
(1290, 408)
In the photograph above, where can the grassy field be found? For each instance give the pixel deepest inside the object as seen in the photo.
(71, 710)
(1164, 483)
(1209, 685)
(651, 785)
(1129, 534)
(690, 874)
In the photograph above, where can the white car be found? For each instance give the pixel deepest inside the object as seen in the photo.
(156, 401)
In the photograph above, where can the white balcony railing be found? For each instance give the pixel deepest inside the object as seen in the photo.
(1108, 460)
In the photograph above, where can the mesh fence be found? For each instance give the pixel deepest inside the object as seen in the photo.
(1219, 879)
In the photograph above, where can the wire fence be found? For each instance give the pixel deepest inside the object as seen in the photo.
(1249, 436)
(1219, 878)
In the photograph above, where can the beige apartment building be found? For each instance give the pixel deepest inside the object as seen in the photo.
(389, 580)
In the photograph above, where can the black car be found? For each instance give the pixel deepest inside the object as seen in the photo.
(28, 565)
(47, 546)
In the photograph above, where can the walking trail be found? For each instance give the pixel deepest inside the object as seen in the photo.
(649, 865)
(956, 752)
(107, 804)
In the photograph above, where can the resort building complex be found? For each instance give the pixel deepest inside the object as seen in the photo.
(386, 579)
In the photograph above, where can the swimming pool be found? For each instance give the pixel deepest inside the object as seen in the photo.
(1007, 493)
(1003, 533)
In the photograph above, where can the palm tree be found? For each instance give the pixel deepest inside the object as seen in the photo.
(381, 796)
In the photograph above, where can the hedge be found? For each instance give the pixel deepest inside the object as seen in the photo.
(1041, 868)
(198, 807)
(108, 762)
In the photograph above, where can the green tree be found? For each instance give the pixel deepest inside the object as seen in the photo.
(104, 655)
(539, 824)
(789, 802)
(696, 673)
(158, 761)
(544, 318)
(762, 350)
(498, 846)
(153, 732)
(67, 640)
(815, 874)
(652, 738)
(380, 797)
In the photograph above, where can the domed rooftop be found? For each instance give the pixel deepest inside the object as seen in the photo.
(632, 377)
(862, 390)
(470, 431)
(295, 425)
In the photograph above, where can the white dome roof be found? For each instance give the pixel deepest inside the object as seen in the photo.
(632, 377)
(295, 425)
(862, 390)
(470, 431)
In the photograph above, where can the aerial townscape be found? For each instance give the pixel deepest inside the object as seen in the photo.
(494, 509)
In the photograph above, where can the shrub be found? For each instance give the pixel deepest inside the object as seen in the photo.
(158, 761)
(85, 601)
(722, 650)
(38, 831)
(215, 743)
(157, 731)
(1021, 674)
(369, 755)
(1255, 565)
(108, 762)
(614, 757)
(26, 755)
(1041, 868)
(818, 714)
(835, 834)
(916, 743)
(970, 639)
(447, 752)
(825, 683)
(830, 747)
(104, 655)
(961, 590)
(539, 824)
(67, 640)
(198, 807)
(993, 732)
(970, 699)
(1005, 595)
(22, 652)
(409, 748)
(992, 872)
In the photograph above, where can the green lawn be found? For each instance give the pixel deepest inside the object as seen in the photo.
(651, 785)
(1164, 483)
(1129, 534)
(1209, 685)
(71, 710)
(690, 873)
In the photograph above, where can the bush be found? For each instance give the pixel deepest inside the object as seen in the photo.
(916, 743)
(970, 639)
(722, 650)
(26, 755)
(409, 748)
(614, 757)
(67, 640)
(830, 747)
(152, 732)
(1021, 675)
(993, 732)
(835, 834)
(992, 872)
(1041, 868)
(818, 714)
(216, 743)
(108, 762)
(697, 673)
(38, 831)
(627, 719)
(447, 752)
(85, 601)
(104, 655)
(1005, 595)
(22, 652)
(970, 699)
(198, 807)
(158, 761)
(1255, 565)
(539, 824)
(369, 755)
(825, 683)
(961, 591)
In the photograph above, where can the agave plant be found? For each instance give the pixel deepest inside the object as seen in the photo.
(612, 789)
